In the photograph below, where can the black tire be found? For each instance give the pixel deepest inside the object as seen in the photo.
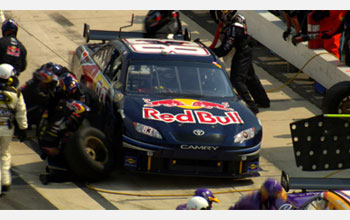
(88, 154)
(337, 99)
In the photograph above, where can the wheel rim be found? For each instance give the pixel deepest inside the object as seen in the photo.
(96, 149)
(344, 106)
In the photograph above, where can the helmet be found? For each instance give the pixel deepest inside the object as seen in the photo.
(69, 84)
(272, 189)
(6, 71)
(45, 76)
(9, 25)
(228, 15)
(197, 203)
(206, 194)
(162, 22)
(55, 68)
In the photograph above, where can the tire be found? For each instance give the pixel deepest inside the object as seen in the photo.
(337, 99)
(88, 154)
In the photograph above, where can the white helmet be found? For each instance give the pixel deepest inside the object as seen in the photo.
(6, 71)
(197, 203)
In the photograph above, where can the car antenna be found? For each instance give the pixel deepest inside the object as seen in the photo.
(132, 23)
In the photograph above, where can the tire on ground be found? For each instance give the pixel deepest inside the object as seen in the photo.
(88, 154)
(335, 100)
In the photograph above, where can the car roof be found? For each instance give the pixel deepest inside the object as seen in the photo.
(168, 49)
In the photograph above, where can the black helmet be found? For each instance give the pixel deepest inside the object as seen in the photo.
(162, 22)
(9, 25)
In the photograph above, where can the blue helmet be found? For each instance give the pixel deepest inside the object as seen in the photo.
(69, 84)
(272, 189)
(9, 25)
(206, 194)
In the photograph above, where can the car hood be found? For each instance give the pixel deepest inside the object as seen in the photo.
(209, 121)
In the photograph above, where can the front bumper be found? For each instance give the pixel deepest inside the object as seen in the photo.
(166, 161)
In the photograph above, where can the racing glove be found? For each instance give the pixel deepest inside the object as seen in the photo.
(22, 135)
(326, 36)
(286, 34)
(300, 38)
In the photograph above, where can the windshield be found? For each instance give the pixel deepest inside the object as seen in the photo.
(178, 78)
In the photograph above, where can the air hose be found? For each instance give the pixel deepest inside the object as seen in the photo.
(160, 195)
(296, 74)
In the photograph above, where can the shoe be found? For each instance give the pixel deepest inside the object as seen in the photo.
(264, 105)
(253, 107)
(5, 188)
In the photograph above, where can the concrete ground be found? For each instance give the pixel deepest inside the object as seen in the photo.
(53, 35)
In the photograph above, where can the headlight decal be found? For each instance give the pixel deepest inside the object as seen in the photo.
(147, 130)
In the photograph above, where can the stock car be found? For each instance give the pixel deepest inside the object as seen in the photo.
(168, 106)
(316, 193)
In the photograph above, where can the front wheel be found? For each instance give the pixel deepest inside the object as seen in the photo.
(88, 154)
(337, 99)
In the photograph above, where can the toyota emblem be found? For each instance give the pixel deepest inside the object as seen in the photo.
(198, 132)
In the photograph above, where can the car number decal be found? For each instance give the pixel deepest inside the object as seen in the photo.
(166, 46)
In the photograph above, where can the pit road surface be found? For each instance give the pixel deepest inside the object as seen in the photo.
(53, 36)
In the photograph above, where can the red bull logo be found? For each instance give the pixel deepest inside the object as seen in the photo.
(187, 103)
(190, 116)
(13, 51)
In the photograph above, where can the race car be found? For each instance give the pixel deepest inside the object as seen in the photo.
(169, 106)
(316, 193)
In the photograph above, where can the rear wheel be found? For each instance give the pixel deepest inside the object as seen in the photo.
(337, 99)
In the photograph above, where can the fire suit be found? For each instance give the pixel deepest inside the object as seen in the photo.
(243, 76)
(329, 25)
(347, 38)
(254, 201)
(331, 28)
(13, 52)
(12, 107)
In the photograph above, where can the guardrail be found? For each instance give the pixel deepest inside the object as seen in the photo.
(266, 28)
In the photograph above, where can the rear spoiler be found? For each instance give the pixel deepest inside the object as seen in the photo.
(305, 183)
(102, 35)
(108, 35)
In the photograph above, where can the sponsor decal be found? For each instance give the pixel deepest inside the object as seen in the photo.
(13, 51)
(187, 103)
(130, 161)
(253, 166)
(198, 147)
(191, 116)
(101, 87)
